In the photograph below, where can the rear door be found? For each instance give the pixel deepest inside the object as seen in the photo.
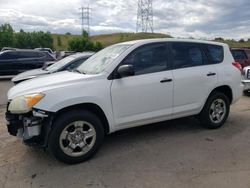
(29, 60)
(194, 77)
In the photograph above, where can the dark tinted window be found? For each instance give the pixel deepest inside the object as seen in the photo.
(187, 55)
(27, 54)
(75, 64)
(215, 53)
(40, 54)
(239, 54)
(148, 59)
(9, 55)
(48, 57)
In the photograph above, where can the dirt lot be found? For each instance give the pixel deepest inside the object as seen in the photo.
(170, 154)
(4, 87)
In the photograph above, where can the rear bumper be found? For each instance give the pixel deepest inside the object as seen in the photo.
(237, 92)
(246, 85)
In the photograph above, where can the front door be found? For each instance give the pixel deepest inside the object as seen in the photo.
(148, 95)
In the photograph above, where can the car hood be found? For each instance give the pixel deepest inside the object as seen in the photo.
(48, 82)
(29, 74)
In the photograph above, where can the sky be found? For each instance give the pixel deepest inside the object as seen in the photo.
(205, 19)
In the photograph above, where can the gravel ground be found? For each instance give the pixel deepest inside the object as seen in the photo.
(176, 153)
(5, 85)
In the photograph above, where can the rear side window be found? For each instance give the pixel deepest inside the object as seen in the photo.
(24, 54)
(40, 54)
(239, 54)
(187, 55)
(215, 53)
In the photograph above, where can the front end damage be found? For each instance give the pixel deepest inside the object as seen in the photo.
(32, 127)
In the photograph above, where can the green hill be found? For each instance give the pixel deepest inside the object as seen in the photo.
(107, 39)
(235, 44)
(113, 38)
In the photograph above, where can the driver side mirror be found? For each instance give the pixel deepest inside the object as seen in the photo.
(125, 71)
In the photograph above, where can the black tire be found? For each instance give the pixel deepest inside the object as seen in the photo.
(204, 116)
(62, 122)
(246, 92)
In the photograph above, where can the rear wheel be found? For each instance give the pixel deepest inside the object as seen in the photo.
(216, 111)
(76, 136)
(247, 92)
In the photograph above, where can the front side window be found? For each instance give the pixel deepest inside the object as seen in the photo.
(148, 59)
(187, 55)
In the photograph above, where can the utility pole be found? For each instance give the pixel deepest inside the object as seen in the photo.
(85, 11)
(145, 16)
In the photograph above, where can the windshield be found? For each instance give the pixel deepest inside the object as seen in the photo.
(98, 62)
(60, 64)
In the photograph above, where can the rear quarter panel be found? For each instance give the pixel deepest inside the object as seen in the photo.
(229, 75)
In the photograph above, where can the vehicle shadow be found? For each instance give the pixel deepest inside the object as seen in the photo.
(124, 140)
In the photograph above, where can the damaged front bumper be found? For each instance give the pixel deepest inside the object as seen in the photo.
(33, 127)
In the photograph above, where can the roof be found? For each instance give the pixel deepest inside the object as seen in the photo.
(145, 41)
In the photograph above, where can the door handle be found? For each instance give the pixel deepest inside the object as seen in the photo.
(211, 74)
(166, 80)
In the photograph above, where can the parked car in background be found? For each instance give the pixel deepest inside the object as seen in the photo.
(7, 48)
(66, 53)
(123, 86)
(13, 62)
(241, 55)
(246, 80)
(45, 50)
(48, 50)
(68, 63)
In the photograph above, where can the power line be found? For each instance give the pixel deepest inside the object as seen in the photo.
(145, 16)
(85, 14)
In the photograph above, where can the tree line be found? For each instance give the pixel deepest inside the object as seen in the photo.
(40, 39)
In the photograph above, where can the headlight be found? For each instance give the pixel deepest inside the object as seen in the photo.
(23, 104)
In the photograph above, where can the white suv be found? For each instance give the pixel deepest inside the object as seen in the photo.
(125, 85)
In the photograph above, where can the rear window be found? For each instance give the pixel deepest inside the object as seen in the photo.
(215, 53)
(239, 54)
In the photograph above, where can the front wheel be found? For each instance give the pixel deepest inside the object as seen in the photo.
(76, 136)
(216, 111)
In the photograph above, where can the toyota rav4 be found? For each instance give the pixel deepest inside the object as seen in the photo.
(124, 85)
